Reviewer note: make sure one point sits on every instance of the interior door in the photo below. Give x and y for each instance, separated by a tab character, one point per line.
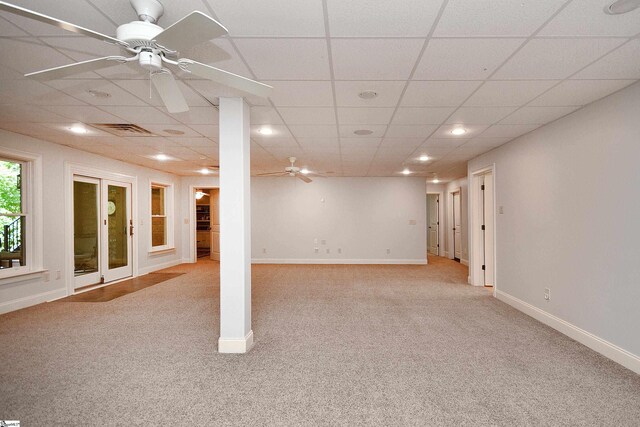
86	231
215	225
117	230
433	221
457	227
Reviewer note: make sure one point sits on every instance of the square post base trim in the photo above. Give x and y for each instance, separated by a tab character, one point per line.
235	345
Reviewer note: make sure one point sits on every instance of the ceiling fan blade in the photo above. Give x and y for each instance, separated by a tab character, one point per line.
191	30
304	178
169	91
272	174
226	78
77	68
17	10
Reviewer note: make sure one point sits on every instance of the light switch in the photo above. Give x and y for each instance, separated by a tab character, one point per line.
500	210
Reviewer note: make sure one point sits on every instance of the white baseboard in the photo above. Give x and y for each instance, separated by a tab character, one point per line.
337	261
156	267
607	349
464	262
25	302
235	345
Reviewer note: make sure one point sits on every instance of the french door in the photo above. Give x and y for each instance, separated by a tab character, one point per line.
103	230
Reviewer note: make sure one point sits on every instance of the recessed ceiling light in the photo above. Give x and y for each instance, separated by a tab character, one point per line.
304	171
162	157
173	131
458	131
80	130
368	94
423	158
435	181
265	131
363	132
621	6
406	172
205	171
98	93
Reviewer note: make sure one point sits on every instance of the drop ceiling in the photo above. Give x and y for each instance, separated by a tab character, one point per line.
498	68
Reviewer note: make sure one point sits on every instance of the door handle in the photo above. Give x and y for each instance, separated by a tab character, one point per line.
131	230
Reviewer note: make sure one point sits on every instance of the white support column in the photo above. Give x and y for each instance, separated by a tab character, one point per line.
236	335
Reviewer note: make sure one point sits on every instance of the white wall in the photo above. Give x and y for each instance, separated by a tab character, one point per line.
24	293
571	207
362	216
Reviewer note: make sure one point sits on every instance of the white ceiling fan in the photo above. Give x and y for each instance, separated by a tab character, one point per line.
154	48
622	6
293	171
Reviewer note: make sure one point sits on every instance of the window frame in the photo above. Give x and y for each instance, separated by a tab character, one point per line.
31	192
168	216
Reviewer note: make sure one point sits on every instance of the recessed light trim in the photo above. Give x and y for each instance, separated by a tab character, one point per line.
424	158
368	94
304	171
162	157
265	131
406	172
436	181
205	171
98	94
458	131
362	132
79	130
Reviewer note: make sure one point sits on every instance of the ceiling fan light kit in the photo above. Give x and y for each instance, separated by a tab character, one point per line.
154	48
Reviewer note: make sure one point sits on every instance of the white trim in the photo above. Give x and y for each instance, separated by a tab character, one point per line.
156	267
451	236
441	221
30	300
236	345
337	261
607	349
475	247
169	215
193	251
22	276
163	251
464	262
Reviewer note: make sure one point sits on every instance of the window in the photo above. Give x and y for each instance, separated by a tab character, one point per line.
20	226
161	214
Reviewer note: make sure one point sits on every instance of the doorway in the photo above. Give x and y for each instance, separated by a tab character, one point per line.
483	236
207	223
102	231
457	226
433	224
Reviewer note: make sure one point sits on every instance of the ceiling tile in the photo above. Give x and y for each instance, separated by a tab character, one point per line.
33	55
32	92
265	116
422	116
210	131
282	59
140	115
355	116
301	94
473	18
622	63
85	114
480	115
170	131
314	131
308	115
141	89
364	18
579	92
197	116
464	59
490	143
438	94
80	89
406	131
503	131
586	18
31	113
374	59
388	93
536	115
278	131
219	53
212	91
293	18
77	12
319	144
7	29
554	58
193	143
508	93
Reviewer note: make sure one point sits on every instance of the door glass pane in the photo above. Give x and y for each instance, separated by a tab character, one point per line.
12	217
85	227
118	227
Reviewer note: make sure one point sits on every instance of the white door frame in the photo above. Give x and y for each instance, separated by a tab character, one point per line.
475	222
192	219
441	218
71	169
450	224
90	278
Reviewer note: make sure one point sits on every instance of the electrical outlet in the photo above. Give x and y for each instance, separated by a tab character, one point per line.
547	294
186	220
388	251
339	250
328	250
317	250
264	250
58	275
501	210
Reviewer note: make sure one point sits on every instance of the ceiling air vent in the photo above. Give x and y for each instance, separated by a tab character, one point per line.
122	129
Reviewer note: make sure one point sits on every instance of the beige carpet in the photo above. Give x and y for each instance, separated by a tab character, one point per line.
335	345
